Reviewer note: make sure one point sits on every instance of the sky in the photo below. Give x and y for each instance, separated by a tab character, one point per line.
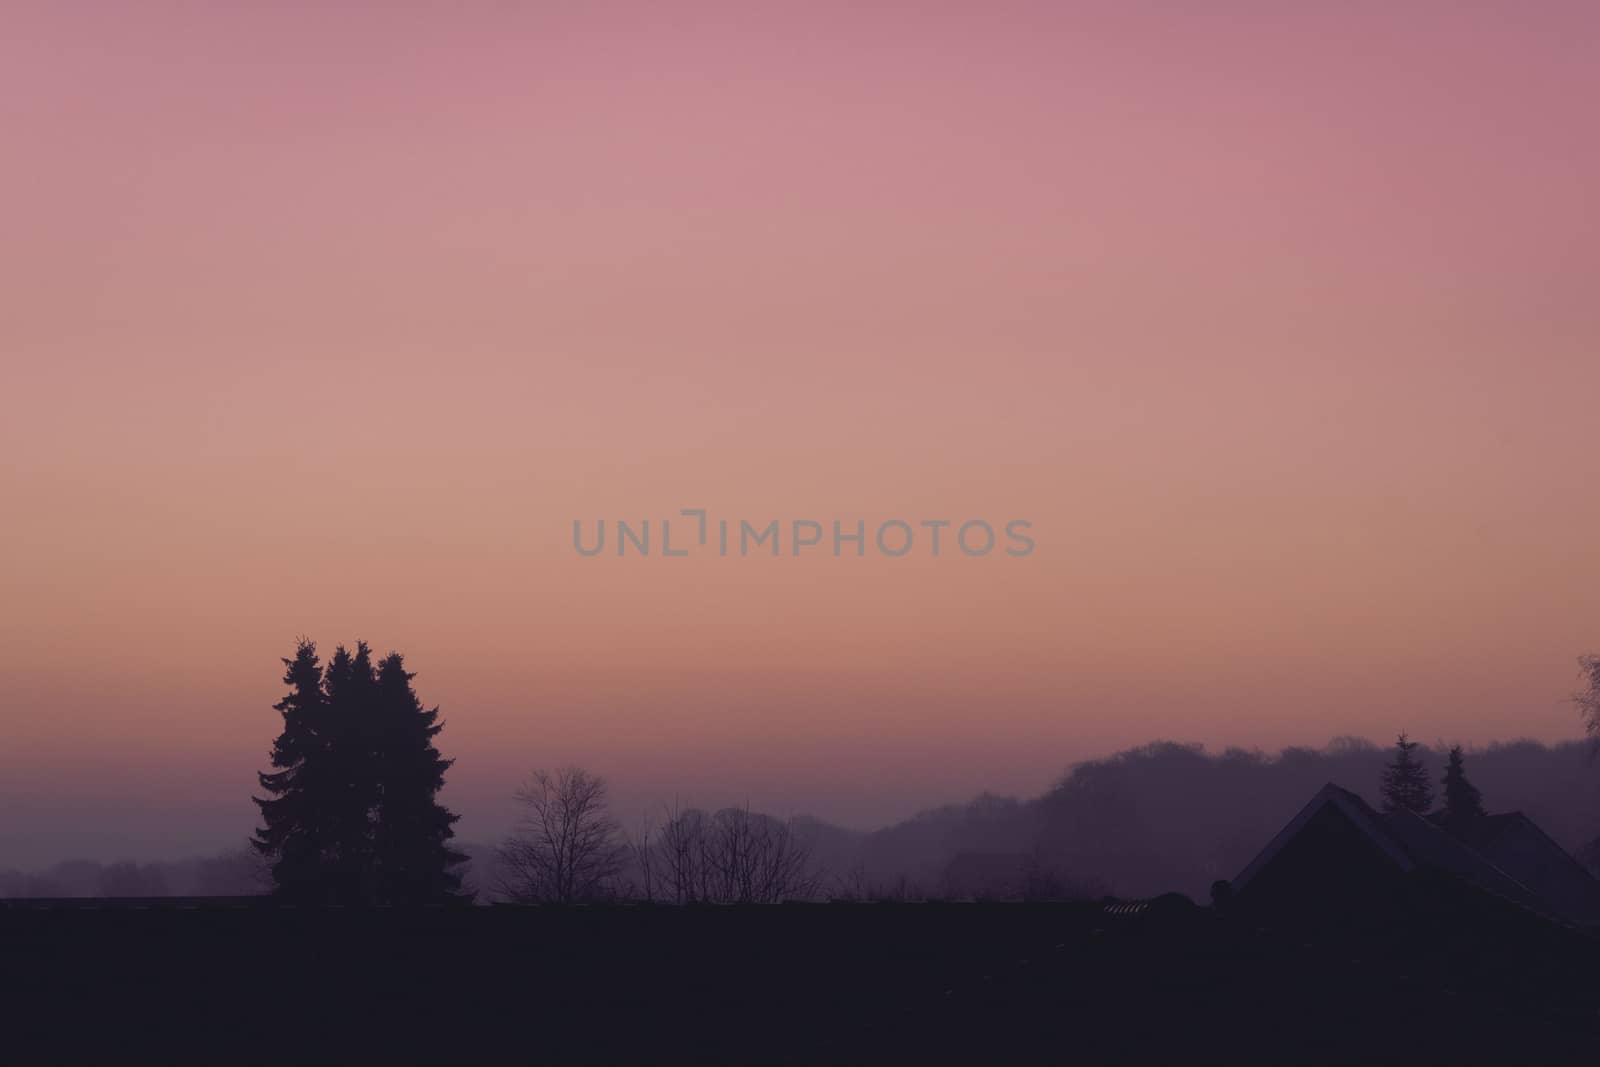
1278	323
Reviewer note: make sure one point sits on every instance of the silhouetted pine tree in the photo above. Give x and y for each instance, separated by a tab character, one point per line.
351	689
1405	781
1462	801
413	859
297	836
352	815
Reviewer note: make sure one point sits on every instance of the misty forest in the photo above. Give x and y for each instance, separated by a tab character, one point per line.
350	814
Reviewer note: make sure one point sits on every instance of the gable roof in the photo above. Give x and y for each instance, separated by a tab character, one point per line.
1516	845
1430	846
1407	841
1352	808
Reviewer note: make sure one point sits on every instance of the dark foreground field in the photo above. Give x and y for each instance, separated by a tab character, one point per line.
884	983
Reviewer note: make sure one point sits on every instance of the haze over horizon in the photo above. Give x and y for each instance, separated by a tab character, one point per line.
1279	328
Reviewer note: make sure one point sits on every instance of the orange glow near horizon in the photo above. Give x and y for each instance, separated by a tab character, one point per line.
1282	330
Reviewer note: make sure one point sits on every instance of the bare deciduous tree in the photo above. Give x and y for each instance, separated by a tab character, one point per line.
681	847
567	847
754	859
732	857
643	850
852	887
1588	701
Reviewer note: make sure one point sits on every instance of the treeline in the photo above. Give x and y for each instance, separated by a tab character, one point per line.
1158	818
233	874
351	814
570	848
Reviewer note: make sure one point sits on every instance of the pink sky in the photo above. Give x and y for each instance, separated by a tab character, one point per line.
1281	326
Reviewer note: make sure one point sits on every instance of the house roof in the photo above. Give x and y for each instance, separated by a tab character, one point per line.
1432	847
1410	842
1515	844
1356	810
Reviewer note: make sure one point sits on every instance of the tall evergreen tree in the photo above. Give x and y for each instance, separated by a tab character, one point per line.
297	837
352	815
1462	801
1405	781
415	863
350	689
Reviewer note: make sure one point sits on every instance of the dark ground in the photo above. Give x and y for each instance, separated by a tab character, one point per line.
877	983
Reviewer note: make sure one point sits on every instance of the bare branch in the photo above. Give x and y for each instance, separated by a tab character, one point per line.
567	847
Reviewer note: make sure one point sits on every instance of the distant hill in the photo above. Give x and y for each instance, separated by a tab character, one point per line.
1169	816
1158	818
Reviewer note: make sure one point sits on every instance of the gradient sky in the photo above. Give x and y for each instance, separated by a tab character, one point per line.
1280	325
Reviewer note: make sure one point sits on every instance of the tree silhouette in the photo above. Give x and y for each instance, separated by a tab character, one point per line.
413	860
1588	700
352	815
1405	780
297	835
735	856
1462	801
351	690
755	859
568	847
